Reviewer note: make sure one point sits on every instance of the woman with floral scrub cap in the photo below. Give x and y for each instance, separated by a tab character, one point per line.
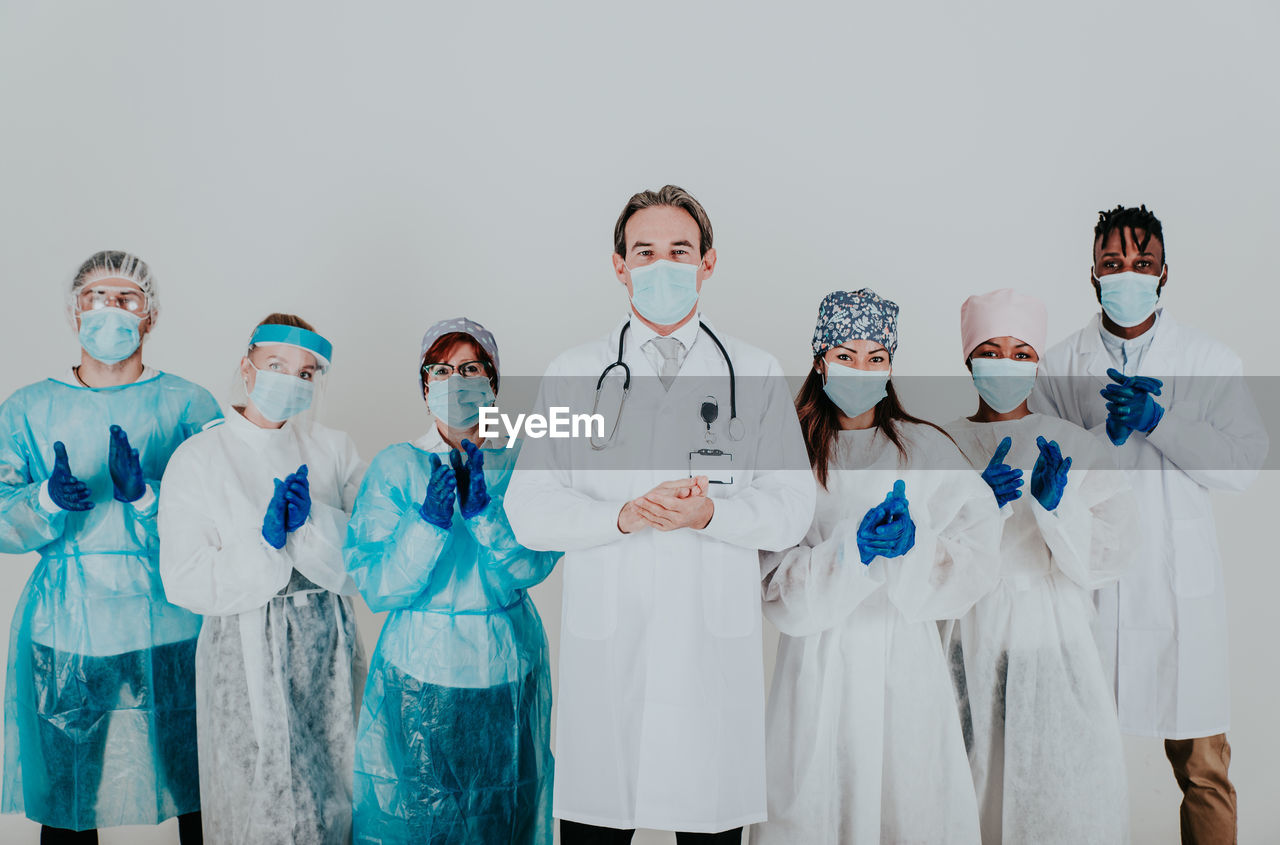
100	691
863	741
253	515
454	738
1044	741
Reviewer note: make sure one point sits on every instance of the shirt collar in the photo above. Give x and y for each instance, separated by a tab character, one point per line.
1115	343
686	334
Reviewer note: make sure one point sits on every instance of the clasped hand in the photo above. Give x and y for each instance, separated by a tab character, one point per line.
681	503
289	508
1130	406
887	529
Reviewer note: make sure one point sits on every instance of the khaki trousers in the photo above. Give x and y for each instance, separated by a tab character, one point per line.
1208	798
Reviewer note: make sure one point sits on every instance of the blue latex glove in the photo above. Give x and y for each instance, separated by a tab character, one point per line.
473	494
67	491
1130	406
274	530
126	469
297	495
1049	476
887	529
437	507
1003	479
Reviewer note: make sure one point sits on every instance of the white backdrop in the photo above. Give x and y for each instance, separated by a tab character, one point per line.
374	167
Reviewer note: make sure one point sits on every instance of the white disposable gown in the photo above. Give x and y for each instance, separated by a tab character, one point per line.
864	742
1162	629
660	719
1044	742
279	665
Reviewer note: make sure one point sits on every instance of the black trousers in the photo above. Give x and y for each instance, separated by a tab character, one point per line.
576	833
189	833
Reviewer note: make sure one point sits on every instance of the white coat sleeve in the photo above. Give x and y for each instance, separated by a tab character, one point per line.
316	547
545	511
1091	534
207	566
956	557
775	510
815	585
1213	431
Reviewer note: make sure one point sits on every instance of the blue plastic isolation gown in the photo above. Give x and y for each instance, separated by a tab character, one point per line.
453	744
100	693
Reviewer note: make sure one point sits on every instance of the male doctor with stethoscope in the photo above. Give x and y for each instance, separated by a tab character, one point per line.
661	517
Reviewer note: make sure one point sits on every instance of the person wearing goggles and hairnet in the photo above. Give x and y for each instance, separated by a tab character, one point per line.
253	516
454	737
864	744
1044	740
100	692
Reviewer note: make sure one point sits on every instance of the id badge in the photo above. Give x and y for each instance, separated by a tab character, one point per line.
715	464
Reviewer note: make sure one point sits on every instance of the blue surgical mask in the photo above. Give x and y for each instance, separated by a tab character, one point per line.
109	335
855	391
1003	383
457	402
665	291
1128	298
279	396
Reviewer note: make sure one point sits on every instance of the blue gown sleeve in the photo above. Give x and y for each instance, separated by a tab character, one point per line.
513	565
391	551
25	524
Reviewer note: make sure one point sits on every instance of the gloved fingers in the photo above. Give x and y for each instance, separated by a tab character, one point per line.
1119	394
1005	476
299	483
1147	384
1001	451
872	518
455	460
302	471
296	499
1117	376
1065	467
900	488
434	460
60	459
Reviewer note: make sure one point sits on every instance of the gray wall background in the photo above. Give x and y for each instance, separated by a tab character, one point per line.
375	167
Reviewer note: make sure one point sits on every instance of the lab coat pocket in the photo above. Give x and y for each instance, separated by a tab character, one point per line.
1195	557
730	589
591	593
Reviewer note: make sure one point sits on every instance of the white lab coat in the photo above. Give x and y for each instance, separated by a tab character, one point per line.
661	696
1162	630
864	740
279	664
1044	742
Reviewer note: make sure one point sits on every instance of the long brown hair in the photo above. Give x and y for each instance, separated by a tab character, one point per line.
820	421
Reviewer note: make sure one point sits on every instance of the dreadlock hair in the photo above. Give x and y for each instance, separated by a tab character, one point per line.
1125	221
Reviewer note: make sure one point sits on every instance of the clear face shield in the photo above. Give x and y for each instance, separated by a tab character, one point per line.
283	374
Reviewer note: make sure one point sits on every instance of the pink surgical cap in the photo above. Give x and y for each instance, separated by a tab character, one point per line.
1003	313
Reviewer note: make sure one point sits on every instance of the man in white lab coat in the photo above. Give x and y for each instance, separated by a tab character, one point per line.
1173	404
661	517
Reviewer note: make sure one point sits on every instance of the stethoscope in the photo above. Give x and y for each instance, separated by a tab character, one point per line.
709	410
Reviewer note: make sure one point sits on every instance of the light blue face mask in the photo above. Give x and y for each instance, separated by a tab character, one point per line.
279	396
1003	383
855	391
665	291
109	335
1128	298
457	402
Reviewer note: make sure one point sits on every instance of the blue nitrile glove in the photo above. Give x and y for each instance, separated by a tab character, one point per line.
1003	479
1130	406
274	530
437	507
297	494
887	529
473	494
67	491
1049	476
126	469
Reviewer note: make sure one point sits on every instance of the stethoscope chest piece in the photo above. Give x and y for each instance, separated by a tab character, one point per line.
736	429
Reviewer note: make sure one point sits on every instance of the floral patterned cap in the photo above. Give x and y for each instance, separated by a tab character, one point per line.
478	333
855	315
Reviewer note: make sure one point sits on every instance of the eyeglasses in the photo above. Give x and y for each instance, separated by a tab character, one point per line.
467	369
127	299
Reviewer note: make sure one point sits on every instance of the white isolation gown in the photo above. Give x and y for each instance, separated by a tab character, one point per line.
863	740
279	665
1044	740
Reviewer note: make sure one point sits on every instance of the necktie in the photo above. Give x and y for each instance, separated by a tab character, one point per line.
669	348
